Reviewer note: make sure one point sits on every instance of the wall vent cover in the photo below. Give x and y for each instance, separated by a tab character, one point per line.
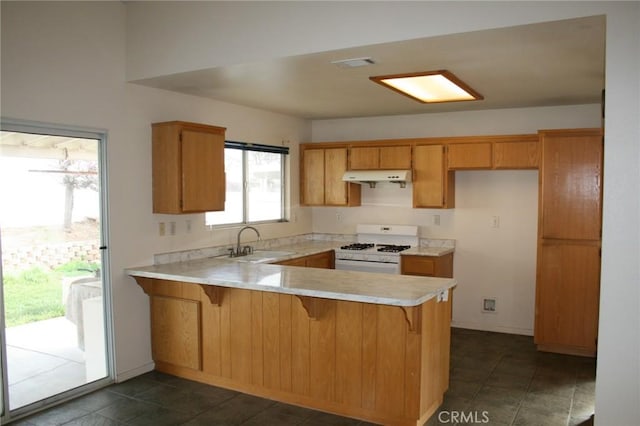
354	62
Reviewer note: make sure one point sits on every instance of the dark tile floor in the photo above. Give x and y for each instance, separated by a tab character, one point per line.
496	379
503	379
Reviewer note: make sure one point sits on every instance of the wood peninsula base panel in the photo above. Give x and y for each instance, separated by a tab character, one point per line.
384	364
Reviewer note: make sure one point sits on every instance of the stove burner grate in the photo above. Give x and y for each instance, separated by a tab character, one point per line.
357	246
392	248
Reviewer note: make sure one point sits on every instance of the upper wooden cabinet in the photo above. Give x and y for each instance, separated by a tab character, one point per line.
188	167
516	155
571	184
433	162
312	177
321	181
469	156
433	186
380	157
493	152
364	158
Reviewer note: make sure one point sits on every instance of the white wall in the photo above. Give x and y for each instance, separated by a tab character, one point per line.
618	374
64	63
489	262
469	123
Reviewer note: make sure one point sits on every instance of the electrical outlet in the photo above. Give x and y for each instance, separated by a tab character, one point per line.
436	219
188	225
338	217
489	306
161	229
172	228
495	221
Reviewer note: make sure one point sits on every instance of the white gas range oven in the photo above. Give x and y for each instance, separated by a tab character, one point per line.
377	248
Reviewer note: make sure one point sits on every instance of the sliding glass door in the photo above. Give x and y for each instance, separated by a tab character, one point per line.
53	250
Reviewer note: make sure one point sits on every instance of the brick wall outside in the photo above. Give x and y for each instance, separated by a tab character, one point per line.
49	255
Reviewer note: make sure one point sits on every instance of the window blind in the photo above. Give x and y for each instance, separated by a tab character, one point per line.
248	146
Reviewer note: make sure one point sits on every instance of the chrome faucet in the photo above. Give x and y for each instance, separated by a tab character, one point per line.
247	249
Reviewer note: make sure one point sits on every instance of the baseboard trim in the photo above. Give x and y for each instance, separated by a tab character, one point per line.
496	329
567	350
130	374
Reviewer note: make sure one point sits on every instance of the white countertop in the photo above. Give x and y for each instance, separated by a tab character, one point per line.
428	251
384	289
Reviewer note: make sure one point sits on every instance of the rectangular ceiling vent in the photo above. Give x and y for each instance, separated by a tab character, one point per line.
354	62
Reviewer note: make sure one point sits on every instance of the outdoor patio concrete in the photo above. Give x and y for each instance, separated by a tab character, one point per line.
43	359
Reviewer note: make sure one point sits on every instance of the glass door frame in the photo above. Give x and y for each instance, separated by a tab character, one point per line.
15	125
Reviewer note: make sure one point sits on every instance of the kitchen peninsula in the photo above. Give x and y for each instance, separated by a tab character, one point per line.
364	345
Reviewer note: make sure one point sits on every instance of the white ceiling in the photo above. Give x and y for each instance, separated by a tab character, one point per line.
552	63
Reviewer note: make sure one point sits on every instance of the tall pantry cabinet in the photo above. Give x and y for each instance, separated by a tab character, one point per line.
569	236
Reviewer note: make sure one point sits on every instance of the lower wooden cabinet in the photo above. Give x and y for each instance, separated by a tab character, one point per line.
325	260
175	334
567	297
427	266
384	364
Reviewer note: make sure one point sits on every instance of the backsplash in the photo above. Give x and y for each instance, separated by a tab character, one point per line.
202	253
437	242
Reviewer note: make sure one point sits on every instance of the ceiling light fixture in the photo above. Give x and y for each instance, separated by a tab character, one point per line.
429	86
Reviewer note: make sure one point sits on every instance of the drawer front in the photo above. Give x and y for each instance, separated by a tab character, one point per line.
418	265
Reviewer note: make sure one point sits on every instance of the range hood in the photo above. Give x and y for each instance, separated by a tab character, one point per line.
371	177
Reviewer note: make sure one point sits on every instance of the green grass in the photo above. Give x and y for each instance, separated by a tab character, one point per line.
77	267
36	294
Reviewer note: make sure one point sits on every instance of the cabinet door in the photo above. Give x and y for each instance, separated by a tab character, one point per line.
567	295
516	155
175	331
571	185
203	178
469	156
364	158
395	157
188	167
312	176
335	166
429	177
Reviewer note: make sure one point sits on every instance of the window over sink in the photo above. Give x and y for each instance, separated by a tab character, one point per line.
255	184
